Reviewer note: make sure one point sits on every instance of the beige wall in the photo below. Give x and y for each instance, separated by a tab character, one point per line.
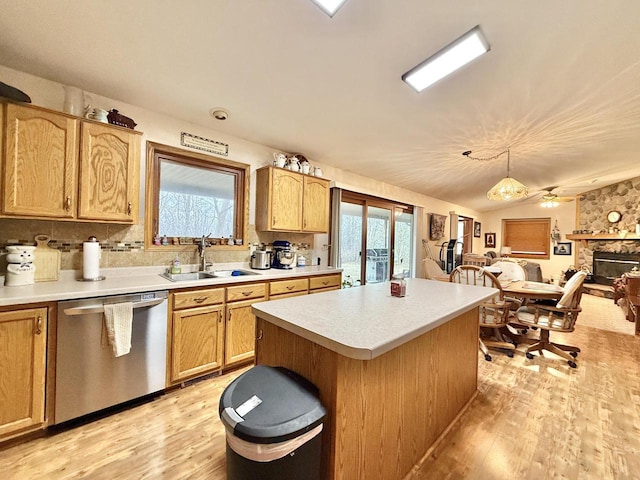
565	214
166	130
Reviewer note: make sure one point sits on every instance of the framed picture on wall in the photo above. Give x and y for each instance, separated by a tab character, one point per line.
562	248
489	240
476	229
436	230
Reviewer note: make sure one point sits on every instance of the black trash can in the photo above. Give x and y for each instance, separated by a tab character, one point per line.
274	422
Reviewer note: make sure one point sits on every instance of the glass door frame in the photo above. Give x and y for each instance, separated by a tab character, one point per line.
371	201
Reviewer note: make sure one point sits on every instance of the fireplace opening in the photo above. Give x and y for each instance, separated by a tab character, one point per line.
608	266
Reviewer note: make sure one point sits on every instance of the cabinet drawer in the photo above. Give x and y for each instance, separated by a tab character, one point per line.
246	292
287	295
325	282
289	286
198	298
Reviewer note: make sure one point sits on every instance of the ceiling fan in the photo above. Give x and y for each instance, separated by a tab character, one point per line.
550	199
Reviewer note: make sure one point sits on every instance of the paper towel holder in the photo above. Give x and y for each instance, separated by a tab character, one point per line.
95	279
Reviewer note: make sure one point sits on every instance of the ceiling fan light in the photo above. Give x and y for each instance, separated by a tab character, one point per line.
507	189
549	204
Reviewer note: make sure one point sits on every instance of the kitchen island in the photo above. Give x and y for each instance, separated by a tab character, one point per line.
393	373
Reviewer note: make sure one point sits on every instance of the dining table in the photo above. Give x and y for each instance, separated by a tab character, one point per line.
532	290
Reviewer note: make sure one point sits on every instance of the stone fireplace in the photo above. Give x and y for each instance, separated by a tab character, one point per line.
606	254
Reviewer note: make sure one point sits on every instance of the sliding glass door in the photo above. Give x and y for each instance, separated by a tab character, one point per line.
376	238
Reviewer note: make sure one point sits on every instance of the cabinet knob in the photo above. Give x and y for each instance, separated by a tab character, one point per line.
67	203
39	325
259	336
274	220
199	299
129	208
246	294
290	287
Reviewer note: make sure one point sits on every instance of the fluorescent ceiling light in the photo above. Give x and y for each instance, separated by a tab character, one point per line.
458	53
329	6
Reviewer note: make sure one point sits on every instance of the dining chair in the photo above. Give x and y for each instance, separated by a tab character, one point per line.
493	314
432	271
511	271
474	259
561	318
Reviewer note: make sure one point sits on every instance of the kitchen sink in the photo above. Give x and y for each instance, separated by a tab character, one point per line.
184	277
231	273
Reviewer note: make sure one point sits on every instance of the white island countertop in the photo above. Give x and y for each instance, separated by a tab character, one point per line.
365	322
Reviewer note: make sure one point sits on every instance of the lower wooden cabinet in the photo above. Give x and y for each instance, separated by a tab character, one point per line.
214	328
240	333
196	342
240	322
23	358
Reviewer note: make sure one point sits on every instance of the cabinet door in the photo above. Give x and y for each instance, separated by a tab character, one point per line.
23	348
109	164
286	200
196	344
40	163
316	205
240	332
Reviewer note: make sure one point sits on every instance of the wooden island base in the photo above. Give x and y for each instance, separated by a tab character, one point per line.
383	414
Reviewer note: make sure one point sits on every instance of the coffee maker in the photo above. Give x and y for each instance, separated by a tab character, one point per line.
283	256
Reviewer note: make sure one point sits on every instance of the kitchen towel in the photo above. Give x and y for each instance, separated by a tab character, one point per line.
91	254
118	320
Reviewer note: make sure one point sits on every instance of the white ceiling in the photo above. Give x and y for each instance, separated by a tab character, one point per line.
560	86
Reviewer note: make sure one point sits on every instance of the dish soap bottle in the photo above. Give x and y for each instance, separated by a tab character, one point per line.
175	266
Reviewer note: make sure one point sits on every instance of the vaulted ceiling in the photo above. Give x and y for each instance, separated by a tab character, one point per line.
560	86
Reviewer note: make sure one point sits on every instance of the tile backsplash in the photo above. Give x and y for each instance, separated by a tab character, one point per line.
122	245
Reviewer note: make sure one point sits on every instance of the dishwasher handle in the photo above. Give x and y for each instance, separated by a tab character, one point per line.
100	308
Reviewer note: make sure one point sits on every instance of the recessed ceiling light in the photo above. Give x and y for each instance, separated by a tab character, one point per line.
219	113
330	7
458	53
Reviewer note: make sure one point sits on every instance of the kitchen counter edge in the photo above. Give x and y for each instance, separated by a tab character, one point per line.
119	281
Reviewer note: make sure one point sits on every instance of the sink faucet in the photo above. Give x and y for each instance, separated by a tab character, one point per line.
202	245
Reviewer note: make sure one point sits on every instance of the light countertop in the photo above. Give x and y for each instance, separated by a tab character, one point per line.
137	279
365	322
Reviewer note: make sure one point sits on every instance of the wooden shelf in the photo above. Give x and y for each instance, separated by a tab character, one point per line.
603	236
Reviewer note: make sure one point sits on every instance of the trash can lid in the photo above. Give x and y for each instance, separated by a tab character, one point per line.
270	404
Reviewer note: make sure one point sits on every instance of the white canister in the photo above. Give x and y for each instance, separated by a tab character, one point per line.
91	254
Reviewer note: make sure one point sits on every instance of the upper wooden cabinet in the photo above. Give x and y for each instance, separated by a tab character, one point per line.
109	173
315	210
291	202
40	163
23	350
57	166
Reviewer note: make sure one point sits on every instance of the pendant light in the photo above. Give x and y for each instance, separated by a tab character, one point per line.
506	189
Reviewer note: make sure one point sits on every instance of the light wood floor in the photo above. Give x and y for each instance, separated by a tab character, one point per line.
532	419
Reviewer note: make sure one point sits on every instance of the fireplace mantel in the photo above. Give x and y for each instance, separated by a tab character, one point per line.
599	237
602	236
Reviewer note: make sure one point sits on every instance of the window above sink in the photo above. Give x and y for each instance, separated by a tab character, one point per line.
190	194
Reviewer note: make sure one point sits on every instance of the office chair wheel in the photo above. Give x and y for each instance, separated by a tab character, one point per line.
510	354
487	357
573	354
529	356
572	364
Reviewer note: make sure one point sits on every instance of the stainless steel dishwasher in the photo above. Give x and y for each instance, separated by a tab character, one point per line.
88	377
